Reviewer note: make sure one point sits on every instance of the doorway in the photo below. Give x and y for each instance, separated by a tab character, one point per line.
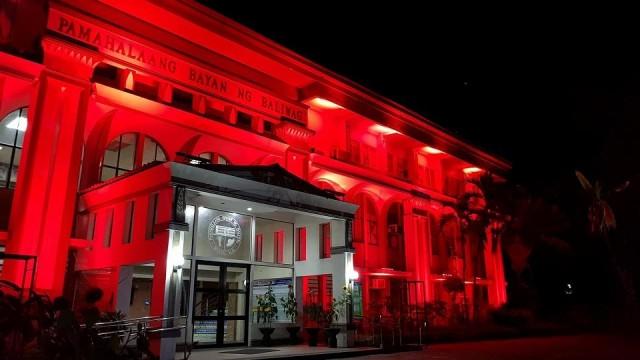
220	304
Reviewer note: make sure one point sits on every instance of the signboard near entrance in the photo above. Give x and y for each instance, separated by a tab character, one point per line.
280	288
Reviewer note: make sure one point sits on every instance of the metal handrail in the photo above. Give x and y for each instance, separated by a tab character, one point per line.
138	328
135	321
117	322
180	327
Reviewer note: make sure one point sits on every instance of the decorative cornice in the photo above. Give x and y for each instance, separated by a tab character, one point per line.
294	134
57	54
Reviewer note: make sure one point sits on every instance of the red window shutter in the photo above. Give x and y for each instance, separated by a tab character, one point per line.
258	247
301	251
278	236
325	240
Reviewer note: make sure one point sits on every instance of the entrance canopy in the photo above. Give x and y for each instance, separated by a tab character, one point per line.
179	236
264	184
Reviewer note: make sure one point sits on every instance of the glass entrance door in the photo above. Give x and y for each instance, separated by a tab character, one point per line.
221	304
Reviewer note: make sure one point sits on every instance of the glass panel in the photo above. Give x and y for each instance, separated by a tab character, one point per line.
107	173
204	331
279	279
16	162
206	303
236	278
184	290
151	152
111	153
270	230
8	128
160	156
141	289
22	127
127	151
222	160
207	295
206	155
5	159
208	277
188	236
234	331
235	304
222	234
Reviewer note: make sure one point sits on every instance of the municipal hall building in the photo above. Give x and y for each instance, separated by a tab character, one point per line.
184	164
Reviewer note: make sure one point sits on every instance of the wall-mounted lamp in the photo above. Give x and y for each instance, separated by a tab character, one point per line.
352	275
471	170
177	260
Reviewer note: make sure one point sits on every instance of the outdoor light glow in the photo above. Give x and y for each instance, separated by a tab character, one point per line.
471	170
19	123
433	151
177	260
189	211
380	129
352	275
324	104
249	209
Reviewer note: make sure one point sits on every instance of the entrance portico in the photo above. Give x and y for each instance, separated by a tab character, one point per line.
216	236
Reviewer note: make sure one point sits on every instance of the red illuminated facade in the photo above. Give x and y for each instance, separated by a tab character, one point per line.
105	116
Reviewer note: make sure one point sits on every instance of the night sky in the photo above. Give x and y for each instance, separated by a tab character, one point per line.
543	92
551	90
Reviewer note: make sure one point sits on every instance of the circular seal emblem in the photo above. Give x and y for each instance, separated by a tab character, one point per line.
224	234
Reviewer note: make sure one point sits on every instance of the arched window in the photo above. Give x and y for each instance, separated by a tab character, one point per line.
127	152
215	158
12	130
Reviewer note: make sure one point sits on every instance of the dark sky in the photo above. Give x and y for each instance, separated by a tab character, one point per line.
552	90
542	91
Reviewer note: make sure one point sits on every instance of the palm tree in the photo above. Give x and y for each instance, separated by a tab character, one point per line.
474	222
602	221
516	220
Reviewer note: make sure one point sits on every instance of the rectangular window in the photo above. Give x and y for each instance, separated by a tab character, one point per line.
128	223
301	245
325	240
151	215
278	247
182	99
243	120
91	226
259	242
268	127
108	223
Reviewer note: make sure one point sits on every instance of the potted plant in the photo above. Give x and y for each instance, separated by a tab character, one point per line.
314	315
336	308
290	307
267	311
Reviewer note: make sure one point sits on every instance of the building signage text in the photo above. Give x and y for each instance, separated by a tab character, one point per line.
182	71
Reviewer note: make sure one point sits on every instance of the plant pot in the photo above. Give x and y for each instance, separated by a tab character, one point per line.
266	336
332	340
293	334
313	335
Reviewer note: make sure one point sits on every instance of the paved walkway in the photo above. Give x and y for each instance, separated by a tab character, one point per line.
581	347
278	352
